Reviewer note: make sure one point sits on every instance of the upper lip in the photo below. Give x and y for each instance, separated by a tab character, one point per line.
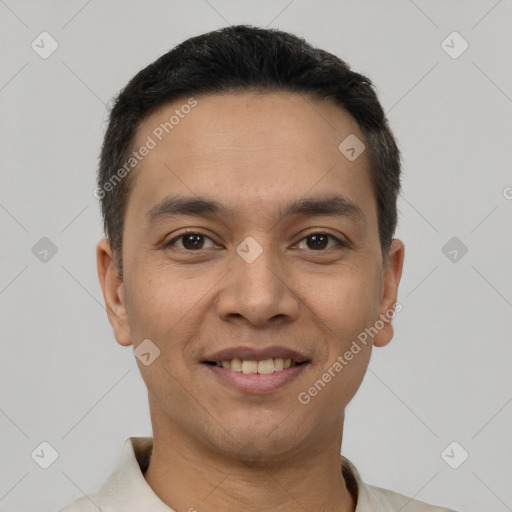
256	354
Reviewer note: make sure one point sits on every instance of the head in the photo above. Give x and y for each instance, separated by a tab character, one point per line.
236	138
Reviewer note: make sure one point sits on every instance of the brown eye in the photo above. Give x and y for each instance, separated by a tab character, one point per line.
190	241
320	241
193	241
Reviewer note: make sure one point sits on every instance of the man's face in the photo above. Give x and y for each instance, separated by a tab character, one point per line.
251	279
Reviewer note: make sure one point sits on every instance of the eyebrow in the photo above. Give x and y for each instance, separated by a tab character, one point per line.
333	205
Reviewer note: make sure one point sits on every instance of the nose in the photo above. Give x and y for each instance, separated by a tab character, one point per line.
260	291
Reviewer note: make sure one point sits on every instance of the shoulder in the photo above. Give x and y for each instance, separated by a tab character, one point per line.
83	504
392	501
373	498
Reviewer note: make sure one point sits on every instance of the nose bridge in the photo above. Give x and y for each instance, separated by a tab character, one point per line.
257	287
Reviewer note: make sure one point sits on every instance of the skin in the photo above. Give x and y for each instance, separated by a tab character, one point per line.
215	447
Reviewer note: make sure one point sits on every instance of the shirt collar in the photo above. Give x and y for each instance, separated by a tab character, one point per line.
126	488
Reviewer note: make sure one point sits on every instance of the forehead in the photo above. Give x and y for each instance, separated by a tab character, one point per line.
249	150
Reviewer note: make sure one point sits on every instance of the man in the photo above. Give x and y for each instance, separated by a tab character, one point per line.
248	185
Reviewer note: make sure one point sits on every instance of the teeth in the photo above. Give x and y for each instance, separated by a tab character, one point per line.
249	367
236	365
266	366
262	367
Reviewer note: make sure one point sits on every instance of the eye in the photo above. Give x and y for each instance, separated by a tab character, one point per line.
319	241
191	241
195	241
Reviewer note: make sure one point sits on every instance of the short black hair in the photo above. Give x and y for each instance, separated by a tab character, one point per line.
245	58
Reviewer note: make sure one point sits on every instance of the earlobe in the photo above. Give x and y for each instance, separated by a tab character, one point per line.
113	292
391	275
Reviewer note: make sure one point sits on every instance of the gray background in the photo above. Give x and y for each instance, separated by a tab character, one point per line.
446	375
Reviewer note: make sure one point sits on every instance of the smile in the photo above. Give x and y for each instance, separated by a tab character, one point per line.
256	370
263	367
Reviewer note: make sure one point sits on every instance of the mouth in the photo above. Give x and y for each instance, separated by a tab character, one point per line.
256	371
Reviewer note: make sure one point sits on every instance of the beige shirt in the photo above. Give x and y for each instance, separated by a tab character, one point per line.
126	489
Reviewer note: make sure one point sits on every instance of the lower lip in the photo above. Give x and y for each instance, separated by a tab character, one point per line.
255	382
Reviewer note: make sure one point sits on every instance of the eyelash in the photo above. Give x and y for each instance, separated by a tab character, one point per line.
340	243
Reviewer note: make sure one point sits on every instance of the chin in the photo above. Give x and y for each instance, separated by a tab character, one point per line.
258	444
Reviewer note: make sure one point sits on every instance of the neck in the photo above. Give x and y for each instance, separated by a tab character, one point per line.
188	475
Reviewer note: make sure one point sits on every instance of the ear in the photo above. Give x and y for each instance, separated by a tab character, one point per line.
113	292
391	274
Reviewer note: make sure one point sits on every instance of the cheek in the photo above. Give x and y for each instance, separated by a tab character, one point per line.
344	310
161	304
167	309
347	301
